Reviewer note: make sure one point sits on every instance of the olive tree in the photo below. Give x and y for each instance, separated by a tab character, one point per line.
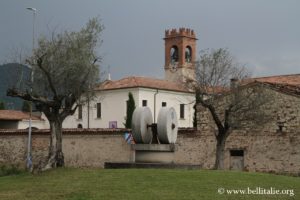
230	104
64	67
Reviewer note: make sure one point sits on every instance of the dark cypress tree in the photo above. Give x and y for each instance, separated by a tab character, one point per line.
129	110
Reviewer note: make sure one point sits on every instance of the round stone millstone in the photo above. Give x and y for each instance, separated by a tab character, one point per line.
141	132
167	125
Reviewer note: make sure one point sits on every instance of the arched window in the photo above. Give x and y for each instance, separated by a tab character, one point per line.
188	54
79	126
174	54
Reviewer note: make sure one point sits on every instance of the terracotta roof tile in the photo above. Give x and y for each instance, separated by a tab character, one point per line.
16	115
285	88
292	79
284	83
134	81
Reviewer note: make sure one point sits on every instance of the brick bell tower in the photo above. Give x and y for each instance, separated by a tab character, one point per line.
180	54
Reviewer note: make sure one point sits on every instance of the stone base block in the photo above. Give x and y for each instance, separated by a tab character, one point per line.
154	153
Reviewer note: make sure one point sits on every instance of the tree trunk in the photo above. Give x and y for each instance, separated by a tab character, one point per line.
56	156
219	163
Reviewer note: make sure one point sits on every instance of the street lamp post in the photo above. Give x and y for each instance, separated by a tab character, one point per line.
29	156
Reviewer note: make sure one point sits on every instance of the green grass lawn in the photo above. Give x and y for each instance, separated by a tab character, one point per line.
141	184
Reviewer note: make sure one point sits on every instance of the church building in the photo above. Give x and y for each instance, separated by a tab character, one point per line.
108	108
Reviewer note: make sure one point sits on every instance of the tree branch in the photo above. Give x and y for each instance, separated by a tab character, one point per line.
39	64
213	112
28	97
69	102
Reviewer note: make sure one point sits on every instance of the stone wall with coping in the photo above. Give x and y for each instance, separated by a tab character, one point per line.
271	147
81	147
87	147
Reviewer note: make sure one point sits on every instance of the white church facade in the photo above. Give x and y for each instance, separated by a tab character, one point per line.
108	107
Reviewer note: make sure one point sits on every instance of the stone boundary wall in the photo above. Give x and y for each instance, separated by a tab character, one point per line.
87	147
278	152
266	152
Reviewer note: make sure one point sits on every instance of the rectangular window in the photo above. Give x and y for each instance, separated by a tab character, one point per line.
144	103
163	104
181	111
98	110
236	152
79	111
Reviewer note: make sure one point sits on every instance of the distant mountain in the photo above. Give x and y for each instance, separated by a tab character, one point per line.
13	75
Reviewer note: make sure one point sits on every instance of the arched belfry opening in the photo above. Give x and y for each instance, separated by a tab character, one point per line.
174	54
180	48
188	54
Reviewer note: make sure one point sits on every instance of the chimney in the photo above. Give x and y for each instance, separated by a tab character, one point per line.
234	83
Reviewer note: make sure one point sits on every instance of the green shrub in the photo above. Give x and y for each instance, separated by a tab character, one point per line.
7	170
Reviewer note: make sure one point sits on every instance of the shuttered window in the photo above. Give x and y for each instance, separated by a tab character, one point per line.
144	103
79	111
181	111
98	110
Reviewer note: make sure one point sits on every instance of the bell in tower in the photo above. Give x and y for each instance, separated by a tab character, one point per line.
180	54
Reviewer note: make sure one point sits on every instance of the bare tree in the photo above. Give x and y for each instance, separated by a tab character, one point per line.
230	104
64	67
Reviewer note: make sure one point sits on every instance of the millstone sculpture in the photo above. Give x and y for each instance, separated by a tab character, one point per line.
154	142
144	131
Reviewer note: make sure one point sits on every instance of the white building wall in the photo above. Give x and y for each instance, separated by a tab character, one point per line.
173	99
24	124
40	124
113	107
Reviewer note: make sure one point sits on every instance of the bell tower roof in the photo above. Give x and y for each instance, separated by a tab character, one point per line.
181	32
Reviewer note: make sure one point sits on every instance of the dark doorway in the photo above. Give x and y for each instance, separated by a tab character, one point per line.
237	160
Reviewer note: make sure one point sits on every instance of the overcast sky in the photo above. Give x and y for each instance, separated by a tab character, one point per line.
263	34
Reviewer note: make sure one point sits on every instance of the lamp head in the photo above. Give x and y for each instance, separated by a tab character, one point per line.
32	9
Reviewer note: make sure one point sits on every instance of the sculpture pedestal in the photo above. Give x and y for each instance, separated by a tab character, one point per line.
154	156
154	153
